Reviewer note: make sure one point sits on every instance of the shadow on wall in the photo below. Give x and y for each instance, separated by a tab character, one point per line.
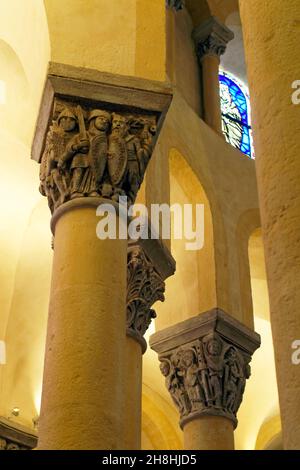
159	430
15	102
270	435
24	57
194	278
259	420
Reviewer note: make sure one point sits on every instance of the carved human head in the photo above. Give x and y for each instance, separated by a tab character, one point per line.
119	122
214	346
231	353
188	358
101	119
164	368
67	120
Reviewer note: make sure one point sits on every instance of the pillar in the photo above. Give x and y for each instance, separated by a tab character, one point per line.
211	38
271	39
148	265
205	362
94	138
80	400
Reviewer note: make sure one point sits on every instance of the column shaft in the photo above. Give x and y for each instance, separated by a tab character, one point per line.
209	433
85	341
132	402
271	42
211	92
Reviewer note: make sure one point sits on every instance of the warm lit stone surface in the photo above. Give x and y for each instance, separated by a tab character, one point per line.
271	40
209	433
81	406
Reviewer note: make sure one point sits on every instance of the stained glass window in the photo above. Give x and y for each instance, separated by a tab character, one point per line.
235	109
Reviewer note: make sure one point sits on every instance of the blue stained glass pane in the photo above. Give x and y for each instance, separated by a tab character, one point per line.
235	115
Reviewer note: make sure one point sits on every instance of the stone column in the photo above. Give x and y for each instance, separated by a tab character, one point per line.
271	42
205	362
148	265
94	138
211	38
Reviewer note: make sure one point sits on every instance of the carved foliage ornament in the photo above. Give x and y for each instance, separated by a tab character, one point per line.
144	288
206	377
211	38
176	4
94	152
211	46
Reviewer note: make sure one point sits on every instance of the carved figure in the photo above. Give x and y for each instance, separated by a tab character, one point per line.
99	122
54	178
233	375
139	150
175	387
82	179
213	350
191	380
117	153
129	153
203	371
108	159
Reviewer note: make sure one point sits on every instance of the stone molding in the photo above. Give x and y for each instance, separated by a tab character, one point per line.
16	437
206	361
211	38
94	202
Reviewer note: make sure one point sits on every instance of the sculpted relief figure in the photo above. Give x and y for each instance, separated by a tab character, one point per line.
207	376
99	124
232	376
77	156
237	371
117	152
203	374
54	179
175	387
139	153
213	351
129	153
95	153
192	380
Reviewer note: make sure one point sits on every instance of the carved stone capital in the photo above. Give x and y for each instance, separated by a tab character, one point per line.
176	4
205	361
211	38
16	437
96	133
145	286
